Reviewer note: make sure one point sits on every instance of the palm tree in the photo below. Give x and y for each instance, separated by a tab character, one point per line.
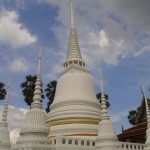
28	87
98	95
50	93
2	91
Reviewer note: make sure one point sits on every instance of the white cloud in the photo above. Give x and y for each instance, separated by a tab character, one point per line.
12	32
118	116
20	65
103	48
100	39
106	33
16	117
135	12
142	50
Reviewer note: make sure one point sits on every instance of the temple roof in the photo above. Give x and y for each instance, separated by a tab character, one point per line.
141	123
134	131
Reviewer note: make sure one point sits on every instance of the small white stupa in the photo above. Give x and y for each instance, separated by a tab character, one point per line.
107	139
33	135
75	110
147	143
4	132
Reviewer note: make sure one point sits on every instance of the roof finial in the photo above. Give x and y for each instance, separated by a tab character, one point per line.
5	110
104	112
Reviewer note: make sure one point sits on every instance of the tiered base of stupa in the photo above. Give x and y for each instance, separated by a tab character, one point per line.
74	130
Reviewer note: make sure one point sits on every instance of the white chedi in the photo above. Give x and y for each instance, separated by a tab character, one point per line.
107	139
34	133
75	105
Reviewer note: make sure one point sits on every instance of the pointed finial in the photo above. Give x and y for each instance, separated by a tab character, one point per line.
147	107
5	110
101	81
72	24
39	60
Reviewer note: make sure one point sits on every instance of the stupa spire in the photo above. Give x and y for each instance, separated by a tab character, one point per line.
5	110
72	24
34	133
147	143
39	61
73	54
37	93
104	112
101	81
107	139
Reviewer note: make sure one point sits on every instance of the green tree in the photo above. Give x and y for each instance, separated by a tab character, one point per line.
2	91
28	87
98	95
50	93
132	116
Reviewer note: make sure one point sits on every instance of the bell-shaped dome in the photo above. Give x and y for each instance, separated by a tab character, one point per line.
75	105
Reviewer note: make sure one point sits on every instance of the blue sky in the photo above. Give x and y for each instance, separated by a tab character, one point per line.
112	34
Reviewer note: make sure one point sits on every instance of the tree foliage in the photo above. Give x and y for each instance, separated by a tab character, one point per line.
50	93
28	87
132	116
2	91
98	95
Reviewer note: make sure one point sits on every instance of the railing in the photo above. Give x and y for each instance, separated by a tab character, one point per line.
132	146
68	142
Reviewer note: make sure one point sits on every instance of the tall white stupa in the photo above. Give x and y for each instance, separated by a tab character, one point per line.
4	132
75	110
107	139
34	134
